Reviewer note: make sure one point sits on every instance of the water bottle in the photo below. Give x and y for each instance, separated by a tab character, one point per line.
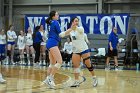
137	66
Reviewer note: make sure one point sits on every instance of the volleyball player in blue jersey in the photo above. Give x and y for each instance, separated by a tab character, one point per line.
52	45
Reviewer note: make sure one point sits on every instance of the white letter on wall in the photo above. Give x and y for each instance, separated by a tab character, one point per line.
121	23
102	22
91	23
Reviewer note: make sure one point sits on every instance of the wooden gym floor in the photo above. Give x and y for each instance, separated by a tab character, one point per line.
26	79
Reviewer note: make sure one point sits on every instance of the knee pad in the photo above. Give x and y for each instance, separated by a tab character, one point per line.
58	65
90	68
86	59
9	53
76	70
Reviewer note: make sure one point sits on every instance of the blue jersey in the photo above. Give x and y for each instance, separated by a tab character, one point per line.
54	30
53	34
37	38
113	38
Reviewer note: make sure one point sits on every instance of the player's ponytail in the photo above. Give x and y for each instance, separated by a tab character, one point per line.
48	20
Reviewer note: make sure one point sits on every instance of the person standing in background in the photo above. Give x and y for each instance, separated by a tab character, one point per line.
29	46
37	39
113	45
43	46
21	46
11	37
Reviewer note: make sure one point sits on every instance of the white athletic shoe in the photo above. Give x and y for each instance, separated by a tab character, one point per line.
117	68
95	82
50	82
44	63
40	63
75	84
2	80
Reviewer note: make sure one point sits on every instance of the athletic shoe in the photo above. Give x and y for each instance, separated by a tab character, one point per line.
116	68
40	63
50	82
75	84
95	82
2	80
44	63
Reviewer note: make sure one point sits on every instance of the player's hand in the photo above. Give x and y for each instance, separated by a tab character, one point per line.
111	48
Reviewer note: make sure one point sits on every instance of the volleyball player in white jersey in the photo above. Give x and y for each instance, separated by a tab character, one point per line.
43	46
29	46
2	51
80	49
21	46
11	37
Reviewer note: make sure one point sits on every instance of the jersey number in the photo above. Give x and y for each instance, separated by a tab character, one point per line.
74	38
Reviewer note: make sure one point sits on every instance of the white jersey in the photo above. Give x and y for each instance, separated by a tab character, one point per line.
78	40
21	42
29	40
2	39
11	35
44	35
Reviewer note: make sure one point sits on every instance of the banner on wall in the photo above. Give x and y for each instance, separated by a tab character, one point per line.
92	23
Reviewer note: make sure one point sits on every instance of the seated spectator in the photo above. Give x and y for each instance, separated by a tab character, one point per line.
67	51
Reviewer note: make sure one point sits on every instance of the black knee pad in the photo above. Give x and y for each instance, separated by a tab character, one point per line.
9	53
90	68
